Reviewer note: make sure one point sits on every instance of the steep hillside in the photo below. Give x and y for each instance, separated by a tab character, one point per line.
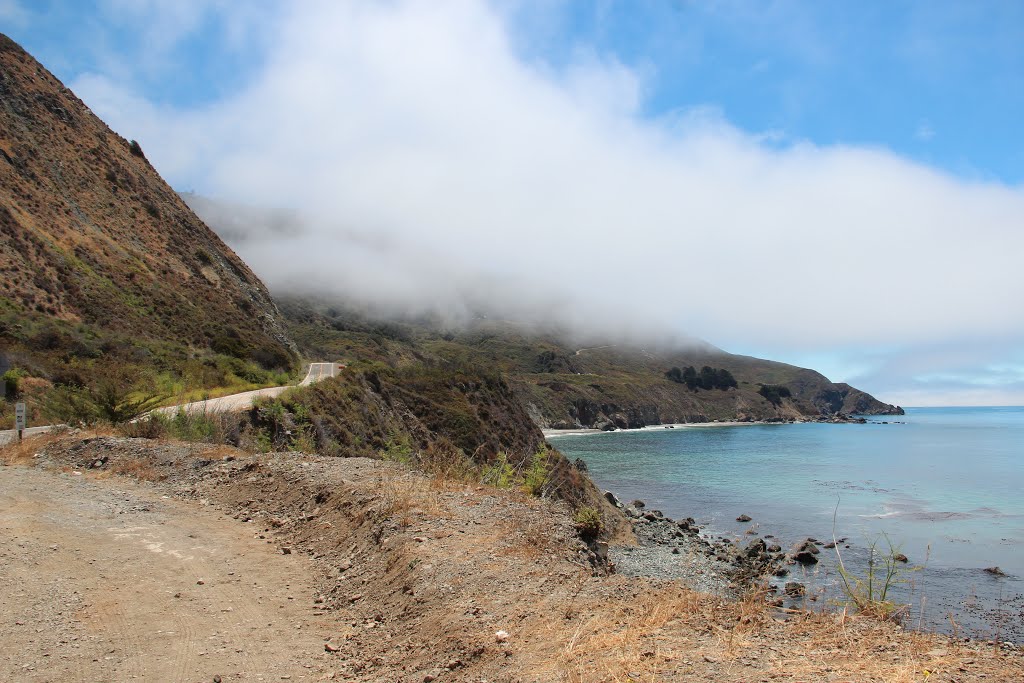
590	384
100	259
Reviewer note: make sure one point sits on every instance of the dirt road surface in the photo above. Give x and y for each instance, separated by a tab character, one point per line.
222	404
108	580
407	578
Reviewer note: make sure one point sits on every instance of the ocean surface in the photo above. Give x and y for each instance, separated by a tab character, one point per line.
944	485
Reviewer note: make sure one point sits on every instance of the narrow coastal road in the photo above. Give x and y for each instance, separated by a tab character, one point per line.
319	371
222	404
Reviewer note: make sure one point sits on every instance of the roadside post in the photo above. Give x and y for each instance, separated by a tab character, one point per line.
19	418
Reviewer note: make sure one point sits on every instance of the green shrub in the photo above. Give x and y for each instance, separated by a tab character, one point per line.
498	473
397	450
869	594
538	474
588	523
113	398
11	380
774	393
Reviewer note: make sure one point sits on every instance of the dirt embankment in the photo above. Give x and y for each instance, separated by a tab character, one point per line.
316	568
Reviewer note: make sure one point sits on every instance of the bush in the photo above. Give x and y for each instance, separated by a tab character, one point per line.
498	473
115	399
708	378
588	523
538	474
774	393
12	380
869	594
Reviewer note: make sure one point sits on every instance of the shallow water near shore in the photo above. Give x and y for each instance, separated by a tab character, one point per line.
945	485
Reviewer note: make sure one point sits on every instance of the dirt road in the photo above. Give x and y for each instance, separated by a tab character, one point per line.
412	578
108	580
222	404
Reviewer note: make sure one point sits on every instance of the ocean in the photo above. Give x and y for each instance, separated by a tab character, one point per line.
944	485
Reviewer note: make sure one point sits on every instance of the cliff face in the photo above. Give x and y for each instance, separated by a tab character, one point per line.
96	247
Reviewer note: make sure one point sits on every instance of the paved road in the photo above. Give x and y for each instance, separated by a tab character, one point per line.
319	371
223	404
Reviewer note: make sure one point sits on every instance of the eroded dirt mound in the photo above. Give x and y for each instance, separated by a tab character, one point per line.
415	579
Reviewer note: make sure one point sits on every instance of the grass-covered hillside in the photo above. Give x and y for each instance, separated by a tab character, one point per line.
589	384
103	269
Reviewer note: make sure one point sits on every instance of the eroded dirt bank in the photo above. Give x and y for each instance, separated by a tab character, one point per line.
318	568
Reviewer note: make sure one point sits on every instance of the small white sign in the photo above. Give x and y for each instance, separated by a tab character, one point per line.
19	416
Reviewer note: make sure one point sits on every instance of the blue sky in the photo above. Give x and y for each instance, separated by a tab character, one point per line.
785	135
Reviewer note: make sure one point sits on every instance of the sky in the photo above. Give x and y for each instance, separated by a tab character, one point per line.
836	185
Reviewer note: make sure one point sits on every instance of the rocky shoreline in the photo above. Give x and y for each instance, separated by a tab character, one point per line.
677	550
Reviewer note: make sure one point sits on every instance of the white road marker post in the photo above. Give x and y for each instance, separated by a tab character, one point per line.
19	418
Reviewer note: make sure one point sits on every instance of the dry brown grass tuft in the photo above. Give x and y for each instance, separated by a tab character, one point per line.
628	642
22	452
137	467
403	494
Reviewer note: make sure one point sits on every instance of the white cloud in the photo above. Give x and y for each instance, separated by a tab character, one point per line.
12	13
417	125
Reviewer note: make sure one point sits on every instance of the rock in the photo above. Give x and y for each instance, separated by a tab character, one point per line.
501	636
610	497
286	550
653	515
675	551
794	589
200	582
804	552
429	678
756	549
687	524
995	571
453	664
345	565
804	557
331	647
806	546
216	679
639	504
743	518
900	557
774	548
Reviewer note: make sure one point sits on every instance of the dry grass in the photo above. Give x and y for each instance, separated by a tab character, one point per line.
22	452
629	641
404	494
139	468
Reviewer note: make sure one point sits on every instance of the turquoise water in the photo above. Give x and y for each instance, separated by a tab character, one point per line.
944	484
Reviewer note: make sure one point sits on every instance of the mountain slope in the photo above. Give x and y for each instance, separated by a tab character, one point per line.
100	258
593	384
